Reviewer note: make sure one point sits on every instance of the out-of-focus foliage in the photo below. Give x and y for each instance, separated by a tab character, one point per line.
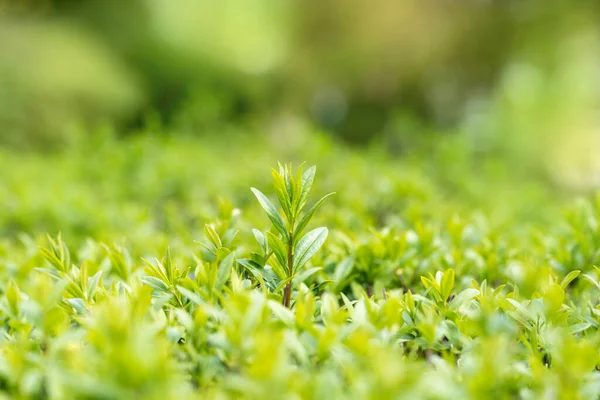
148	186
439	279
520	77
45	72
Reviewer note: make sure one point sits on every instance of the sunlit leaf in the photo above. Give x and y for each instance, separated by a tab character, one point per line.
308	246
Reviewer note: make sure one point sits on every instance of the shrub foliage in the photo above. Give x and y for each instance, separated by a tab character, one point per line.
309	302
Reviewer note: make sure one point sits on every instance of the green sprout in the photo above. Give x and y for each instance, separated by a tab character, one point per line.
291	248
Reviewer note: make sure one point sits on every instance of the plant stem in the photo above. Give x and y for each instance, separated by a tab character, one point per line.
287	292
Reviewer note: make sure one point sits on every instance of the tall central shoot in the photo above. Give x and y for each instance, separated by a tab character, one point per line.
291	248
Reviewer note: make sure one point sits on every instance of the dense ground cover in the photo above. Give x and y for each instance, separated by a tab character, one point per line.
442	276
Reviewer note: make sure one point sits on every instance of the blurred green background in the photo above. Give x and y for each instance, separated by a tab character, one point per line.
112	101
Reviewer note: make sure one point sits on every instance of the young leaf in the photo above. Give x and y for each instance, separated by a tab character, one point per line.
192	296
463	297
282	313
212	235
305	275
573	329
592	280
229	237
308	216
119	264
84	274
51	272
168	266
282	284
53	259
308	178
447	284
157	270
78	305
209	248
93	284
282	194
13	295
522	310
262	241
284	171
343	270
253	268
224	271
554	297
308	246
297	186
155	283
281	271
569	278
272	213
278	247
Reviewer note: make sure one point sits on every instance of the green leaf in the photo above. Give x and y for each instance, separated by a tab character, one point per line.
53	259
278	248
308	216
93	284
208	247
78	305
154	283
431	283
224	271
343	270
569	278
13	295
463	297
592	280
554	297
192	296
283	195
272	213
321	285
280	271
271	275
308	246
168	266
229	237
447	284
307	180
427	331
118	261
282	284
262	241
253	268
522	310
296	186
212	235
305	275
248	264
284	171
51	272
282	313
158	270
573	329
349	305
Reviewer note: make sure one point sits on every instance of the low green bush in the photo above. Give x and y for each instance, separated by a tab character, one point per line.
421	278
